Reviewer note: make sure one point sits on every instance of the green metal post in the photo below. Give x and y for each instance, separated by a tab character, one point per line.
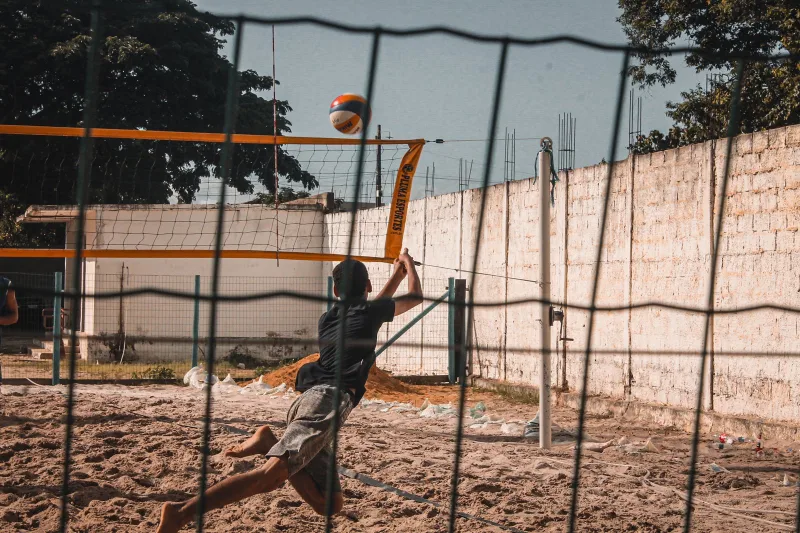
330	292
452	371
57	330
411	323
196	323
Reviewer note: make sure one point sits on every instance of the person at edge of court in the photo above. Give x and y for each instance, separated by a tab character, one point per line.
9	311
304	452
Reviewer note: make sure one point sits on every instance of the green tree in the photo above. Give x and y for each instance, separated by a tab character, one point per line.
770	89
161	69
285	194
13	234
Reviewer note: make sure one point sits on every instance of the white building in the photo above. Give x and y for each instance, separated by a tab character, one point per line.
107	324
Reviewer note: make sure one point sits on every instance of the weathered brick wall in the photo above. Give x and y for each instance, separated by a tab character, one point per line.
760	264
521	334
670	260
657	248
585	191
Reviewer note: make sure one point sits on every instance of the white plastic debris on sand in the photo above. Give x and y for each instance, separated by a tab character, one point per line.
385	407
279	389
226	386
718	469
649	447
486	420
198	378
444	410
597	446
259	388
190	373
256	387
626	446
511	428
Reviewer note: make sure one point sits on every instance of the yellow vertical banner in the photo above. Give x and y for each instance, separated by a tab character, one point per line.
400	199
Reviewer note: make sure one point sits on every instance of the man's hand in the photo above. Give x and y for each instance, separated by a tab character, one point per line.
400	266
406	260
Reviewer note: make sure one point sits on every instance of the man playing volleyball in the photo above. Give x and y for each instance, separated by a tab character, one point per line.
303	454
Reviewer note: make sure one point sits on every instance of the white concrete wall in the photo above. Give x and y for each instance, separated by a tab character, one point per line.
657	247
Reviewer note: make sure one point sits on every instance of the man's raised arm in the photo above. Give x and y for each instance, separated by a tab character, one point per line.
414	296
398	275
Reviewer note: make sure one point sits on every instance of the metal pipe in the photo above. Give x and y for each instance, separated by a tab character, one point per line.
452	372
413	321
57	330
196	322
544	293
378	190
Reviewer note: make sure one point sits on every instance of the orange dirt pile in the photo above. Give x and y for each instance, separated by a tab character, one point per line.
381	385
379	382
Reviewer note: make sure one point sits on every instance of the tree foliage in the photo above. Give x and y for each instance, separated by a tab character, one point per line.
161	68
285	194
13	234
770	89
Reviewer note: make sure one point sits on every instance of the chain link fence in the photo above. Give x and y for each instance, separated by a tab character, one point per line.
124	337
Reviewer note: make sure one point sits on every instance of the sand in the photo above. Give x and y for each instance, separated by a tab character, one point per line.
137	447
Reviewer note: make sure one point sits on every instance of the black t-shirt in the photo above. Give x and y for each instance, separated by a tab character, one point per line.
364	320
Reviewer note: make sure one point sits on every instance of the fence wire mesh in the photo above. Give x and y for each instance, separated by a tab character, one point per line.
228	304
151	337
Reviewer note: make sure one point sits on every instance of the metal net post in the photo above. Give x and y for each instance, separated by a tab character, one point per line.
57	299
545	162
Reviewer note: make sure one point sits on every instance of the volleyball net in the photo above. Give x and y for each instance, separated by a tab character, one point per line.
156	194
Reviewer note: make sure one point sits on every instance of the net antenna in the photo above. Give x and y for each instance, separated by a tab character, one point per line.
378	171
275	144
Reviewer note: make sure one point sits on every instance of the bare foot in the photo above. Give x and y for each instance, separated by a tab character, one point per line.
171	521
258	444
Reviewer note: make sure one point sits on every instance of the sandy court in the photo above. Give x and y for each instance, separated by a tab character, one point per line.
137	447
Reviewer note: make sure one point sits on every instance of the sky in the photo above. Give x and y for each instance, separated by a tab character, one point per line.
441	87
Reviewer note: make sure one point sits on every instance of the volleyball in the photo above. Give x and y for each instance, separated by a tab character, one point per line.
350	113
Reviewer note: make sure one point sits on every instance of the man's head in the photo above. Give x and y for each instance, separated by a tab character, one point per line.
359	284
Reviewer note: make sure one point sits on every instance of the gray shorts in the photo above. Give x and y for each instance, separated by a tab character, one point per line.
307	443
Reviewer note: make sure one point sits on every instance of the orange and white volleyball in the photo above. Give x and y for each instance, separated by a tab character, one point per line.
350	113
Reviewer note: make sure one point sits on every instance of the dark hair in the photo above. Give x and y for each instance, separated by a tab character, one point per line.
358	278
